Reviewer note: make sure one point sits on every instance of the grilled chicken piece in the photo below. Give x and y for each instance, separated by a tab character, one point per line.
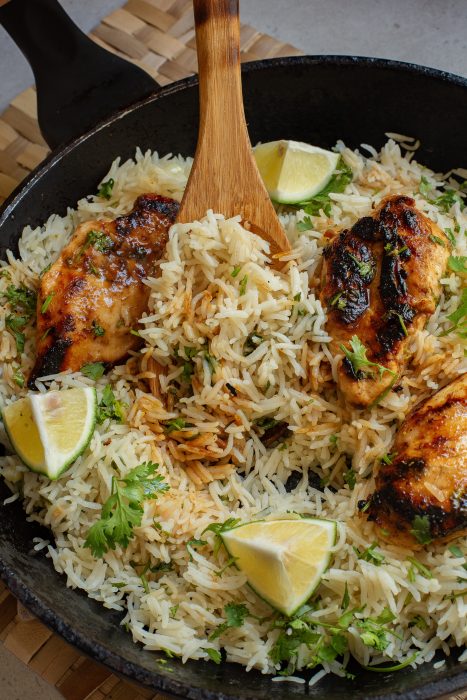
94	294
381	283
427	476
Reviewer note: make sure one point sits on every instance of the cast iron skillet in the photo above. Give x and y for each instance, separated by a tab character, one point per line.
314	99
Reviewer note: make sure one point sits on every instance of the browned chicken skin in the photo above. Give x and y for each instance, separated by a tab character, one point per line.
93	295
381	283
427	476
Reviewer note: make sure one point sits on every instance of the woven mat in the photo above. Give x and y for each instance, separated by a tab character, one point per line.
157	35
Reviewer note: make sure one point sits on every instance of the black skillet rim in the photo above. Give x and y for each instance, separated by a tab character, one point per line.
457	682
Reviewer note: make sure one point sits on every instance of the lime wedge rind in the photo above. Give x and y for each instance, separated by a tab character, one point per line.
294	171
33	430
272	567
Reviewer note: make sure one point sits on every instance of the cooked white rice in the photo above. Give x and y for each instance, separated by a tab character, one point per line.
196	302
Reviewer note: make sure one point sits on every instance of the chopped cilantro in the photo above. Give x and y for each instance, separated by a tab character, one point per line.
109	407
243	284
173	611
305	224
421	529
459	317
175	424
211	362
47	301
105	188
18	377
93	370
333	439
458	263
235	616
370	554
214	654
450	235
388	458
421	568
15	325
21	299
97	329
345	598
236	270
44	270
455	550
437	240
350	478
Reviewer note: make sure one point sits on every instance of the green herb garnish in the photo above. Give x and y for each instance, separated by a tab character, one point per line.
371	555
236	270
235	614
93	370
109	407
437	240
350	478
305	224
422	570
15	325
243	284
105	188
421	529
18	377
458	264
459	317
47	301
21	299
123	510
97	329
358	359
214	654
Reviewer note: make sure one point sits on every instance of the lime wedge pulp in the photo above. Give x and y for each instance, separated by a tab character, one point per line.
50	431
283	560
293	171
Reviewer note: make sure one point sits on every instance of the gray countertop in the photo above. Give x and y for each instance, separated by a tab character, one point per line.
431	32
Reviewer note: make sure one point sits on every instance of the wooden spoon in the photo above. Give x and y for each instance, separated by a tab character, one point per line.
224	176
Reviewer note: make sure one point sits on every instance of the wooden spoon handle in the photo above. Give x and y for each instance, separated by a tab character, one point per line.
218	41
224	176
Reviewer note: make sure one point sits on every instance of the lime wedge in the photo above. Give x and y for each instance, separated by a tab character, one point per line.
283	560
293	171
49	431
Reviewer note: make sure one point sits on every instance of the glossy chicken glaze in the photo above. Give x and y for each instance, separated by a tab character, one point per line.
381	281
91	298
427	475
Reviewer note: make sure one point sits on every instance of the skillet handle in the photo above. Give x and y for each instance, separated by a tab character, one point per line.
78	83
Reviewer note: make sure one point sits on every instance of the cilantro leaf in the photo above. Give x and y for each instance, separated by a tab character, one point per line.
356	356
370	554
458	263
15	324
105	188
47	302
350	478
109	407
214	654
123	509
305	224
21	299
235	616
421	529
93	370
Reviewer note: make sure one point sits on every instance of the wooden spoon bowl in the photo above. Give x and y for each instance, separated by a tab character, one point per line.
224	176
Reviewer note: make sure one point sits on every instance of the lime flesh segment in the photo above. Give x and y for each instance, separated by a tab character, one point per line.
49	431
293	171
283	560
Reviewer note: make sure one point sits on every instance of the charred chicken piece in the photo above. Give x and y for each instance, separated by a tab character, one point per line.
381	281
93	295
427	474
